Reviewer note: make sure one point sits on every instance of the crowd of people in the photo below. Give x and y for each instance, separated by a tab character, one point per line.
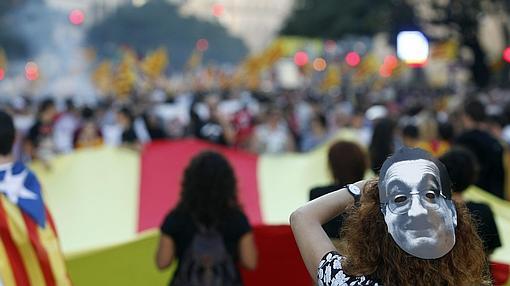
464	146
260	122
469	134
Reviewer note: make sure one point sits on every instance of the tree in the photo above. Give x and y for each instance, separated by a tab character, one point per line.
337	18
462	17
9	39
7	5
461	21
159	24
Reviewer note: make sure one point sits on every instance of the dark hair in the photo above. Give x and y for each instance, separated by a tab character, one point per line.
405	154
321	119
462	166
69	103
411	131
497	120
370	250
446	131
7	133
475	109
87	113
208	188
381	145
45	105
506	113
347	162
127	113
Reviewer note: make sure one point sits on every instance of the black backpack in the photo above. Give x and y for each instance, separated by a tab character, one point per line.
206	262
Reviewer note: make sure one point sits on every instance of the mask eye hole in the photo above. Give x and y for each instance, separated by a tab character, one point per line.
400	199
430	195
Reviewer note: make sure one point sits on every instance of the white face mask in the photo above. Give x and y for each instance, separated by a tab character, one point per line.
419	217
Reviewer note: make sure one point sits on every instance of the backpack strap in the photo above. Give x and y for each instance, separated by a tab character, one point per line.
202	228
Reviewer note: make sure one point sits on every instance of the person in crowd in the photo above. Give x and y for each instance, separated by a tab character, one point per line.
505	133
404	229
316	135
154	126
436	142
495	125
382	143
463	170
361	127
410	136
40	143
23	121
446	135
126	119
429	134
347	163
243	123
273	136
31	253
66	124
212	125
88	134
208	202
487	149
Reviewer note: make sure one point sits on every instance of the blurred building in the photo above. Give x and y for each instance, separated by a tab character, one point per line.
256	22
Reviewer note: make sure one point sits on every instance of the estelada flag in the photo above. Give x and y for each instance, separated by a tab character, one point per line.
29	247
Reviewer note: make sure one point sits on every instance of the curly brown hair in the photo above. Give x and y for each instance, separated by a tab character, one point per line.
209	188
375	253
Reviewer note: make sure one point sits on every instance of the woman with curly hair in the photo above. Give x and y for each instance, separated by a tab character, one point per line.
403	229
208	202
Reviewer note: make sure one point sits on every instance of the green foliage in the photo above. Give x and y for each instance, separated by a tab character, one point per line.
11	43
159	24
9	40
337	18
6	5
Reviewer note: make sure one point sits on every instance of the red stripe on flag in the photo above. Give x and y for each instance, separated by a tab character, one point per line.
162	168
279	261
15	260
49	218
42	255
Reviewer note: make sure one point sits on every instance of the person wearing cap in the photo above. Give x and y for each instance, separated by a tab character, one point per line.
402	229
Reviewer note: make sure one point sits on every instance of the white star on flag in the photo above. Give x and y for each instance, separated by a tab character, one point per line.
14	187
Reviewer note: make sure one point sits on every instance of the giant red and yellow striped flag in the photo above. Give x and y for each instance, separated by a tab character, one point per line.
122	196
29	249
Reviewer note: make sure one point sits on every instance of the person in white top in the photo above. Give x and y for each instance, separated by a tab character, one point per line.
273	136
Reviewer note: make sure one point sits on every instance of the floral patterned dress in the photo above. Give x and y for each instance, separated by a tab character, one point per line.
330	273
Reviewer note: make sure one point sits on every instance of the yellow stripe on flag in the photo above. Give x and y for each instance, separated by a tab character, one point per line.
501	211
130	263
20	236
98	186
6	275
52	247
285	181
